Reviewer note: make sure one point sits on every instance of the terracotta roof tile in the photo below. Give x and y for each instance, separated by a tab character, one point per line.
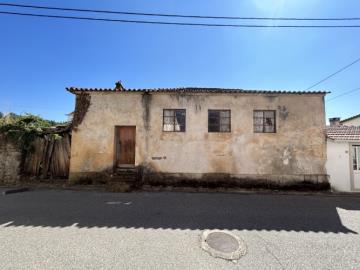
192	90
343	133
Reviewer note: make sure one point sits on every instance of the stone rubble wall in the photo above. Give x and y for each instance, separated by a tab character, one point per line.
10	158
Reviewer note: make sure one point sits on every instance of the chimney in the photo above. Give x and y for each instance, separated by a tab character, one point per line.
119	86
334	121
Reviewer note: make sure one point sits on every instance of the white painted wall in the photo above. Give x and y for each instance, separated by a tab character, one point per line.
352	122
338	165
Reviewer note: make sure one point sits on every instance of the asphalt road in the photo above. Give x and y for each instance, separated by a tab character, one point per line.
55	229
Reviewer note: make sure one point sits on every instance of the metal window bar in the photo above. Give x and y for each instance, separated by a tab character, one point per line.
219	120
261	121
174	120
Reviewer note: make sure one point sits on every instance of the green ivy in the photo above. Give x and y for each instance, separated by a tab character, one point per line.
23	129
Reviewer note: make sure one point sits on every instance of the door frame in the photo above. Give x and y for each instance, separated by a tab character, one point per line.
352	180
116	145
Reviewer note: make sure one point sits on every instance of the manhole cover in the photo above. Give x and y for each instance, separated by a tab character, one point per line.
222	241
223	244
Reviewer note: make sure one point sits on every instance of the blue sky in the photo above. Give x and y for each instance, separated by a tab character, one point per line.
40	57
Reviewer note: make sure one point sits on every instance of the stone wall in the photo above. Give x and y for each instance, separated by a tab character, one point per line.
10	158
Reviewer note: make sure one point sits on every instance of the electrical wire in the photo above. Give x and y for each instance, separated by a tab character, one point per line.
177	15
343	94
176	23
333	74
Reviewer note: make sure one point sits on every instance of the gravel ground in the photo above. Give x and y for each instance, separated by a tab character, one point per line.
64	229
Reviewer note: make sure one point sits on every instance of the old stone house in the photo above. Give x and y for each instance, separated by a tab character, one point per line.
200	135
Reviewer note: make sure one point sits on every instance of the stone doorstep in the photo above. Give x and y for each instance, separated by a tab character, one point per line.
131	178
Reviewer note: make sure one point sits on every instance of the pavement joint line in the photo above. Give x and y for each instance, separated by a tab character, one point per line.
267	248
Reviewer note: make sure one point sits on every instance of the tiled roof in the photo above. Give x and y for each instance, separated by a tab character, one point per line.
193	90
343	133
350	118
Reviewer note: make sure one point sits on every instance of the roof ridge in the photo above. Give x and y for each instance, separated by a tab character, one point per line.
194	89
350	118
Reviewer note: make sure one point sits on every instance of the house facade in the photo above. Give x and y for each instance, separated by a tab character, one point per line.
351	121
343	154
201	135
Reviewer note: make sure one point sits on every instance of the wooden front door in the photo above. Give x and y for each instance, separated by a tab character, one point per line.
125	148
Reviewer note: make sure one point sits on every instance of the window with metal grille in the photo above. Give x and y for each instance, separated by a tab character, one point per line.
219	121
264	121
174	120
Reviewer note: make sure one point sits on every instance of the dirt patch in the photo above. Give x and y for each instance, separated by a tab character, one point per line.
216	180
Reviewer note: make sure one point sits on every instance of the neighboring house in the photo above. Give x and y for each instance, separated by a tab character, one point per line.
351	121
201	135
343	154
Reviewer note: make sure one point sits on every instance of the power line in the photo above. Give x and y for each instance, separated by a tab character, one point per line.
333	74
176	23
178	15
343	94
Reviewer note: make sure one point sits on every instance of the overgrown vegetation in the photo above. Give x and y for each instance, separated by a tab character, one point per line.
23	129
82	104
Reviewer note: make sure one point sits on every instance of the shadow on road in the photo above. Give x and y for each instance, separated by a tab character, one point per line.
176	211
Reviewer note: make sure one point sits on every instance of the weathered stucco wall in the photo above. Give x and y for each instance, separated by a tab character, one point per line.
297	151
10	158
